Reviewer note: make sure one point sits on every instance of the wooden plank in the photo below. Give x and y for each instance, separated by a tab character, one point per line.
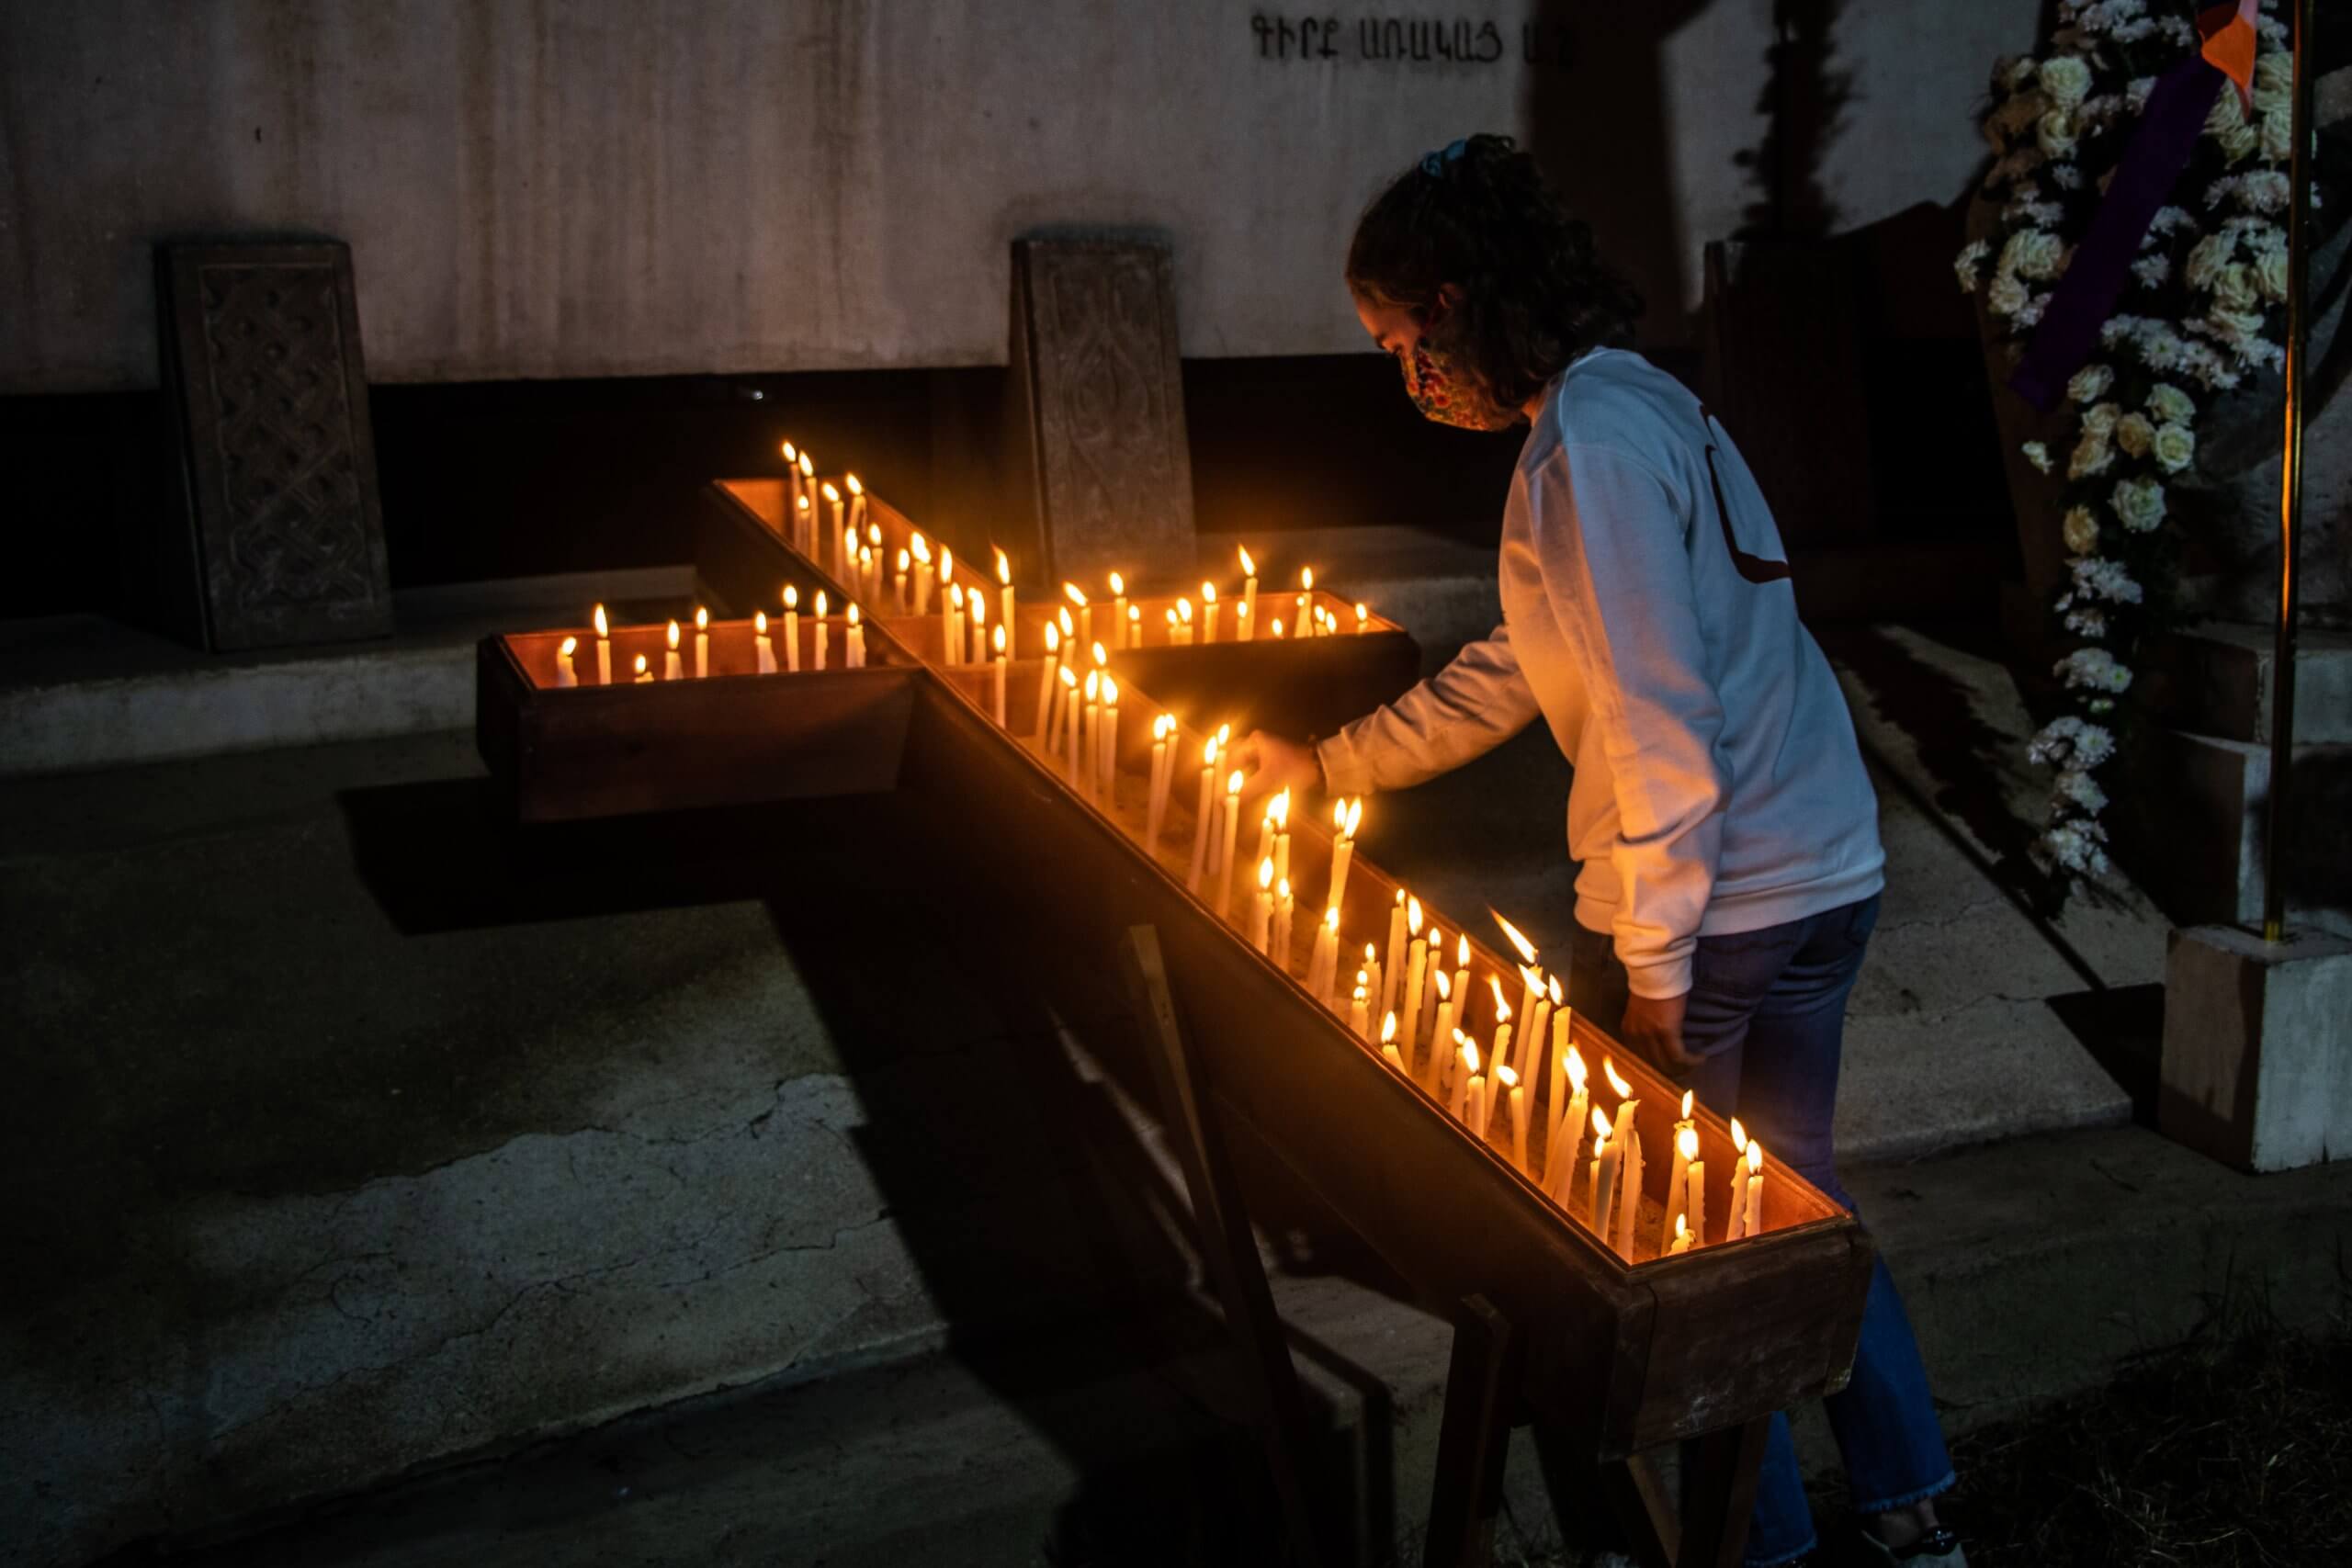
1474	1437
284	536
1719	1495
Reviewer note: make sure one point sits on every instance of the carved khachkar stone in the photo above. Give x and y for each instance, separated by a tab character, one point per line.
284	540
1099	403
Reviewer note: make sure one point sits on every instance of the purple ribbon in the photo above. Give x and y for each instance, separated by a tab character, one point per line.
2085	297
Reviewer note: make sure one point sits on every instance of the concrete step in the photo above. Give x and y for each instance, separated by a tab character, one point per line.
2214	679
1094	1448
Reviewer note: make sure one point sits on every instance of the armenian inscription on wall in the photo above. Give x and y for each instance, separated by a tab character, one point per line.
1409	41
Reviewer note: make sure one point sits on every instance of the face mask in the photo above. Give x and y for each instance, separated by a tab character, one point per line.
1444	393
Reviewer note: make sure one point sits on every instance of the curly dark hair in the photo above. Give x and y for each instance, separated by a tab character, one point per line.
1535	293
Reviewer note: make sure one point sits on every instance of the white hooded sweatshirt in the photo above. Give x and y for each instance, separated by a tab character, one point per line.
1648	617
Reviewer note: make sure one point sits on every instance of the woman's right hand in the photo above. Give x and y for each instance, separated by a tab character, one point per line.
1272	763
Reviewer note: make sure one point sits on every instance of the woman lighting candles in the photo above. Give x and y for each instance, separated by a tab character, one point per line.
1727	832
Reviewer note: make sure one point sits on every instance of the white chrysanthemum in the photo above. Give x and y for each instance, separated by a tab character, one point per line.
2038	454
2004	296
2071	742
2070	846
2095	577
2207	258
2270	30
2065	177
2170	404
2278	133
2153	271
2169	220
2077	786
2177	32
2031	253
2175	447
2090	383
2086	620
2270	274
2080	530
2158	346
2092	670
2139	503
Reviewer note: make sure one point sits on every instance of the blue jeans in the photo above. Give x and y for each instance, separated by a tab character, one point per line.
1767	1015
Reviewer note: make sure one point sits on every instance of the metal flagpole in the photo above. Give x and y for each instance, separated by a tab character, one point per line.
2290	500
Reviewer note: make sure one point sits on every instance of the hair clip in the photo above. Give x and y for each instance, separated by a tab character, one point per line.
1433	164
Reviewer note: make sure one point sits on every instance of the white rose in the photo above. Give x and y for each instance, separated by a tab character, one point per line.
2090	383
2207	257
2054	133
2080	530
2004	296
2100	419
2135	434
2170	404
2140	502
2174	447
2038	454
2067	81
2270	274
2233	289
2092	456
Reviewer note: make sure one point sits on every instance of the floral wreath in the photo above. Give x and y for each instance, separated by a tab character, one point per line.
2203	309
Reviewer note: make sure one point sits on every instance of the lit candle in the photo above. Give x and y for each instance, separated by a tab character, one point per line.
1371	968
1395	954
807	507
1261	908
1110	742
1461	973
1201	818
1755	1221
564	674
1004	594
1184	622
792	630
1509	1077
1282	836
762	651
853	644
640	674
946	566
1447	1026
1603	1178
1466	1076
1502	1021
702	643
1356	1018
1135	626
1682	1237
1736	1214
604	649
1171	614
869	573
1277	628
804	526
1242	623
1064	711
1209	612
1070	717
1626	1104
1389	1042
1345	816
1306	598
1156	793
874	543
898	582
1089	743
1435	941
1567	1123
1284	912
1539	1018
1249	595
821	631
921	547
856	503
1363	619
1531	983
1629	1192
671	669
1686	1149
1118	610
1003	664
1412	998
1077	596
791	477
976	610
836	521
951	624
1046	677
1695	1193
1232	833
1563	1050
1322	965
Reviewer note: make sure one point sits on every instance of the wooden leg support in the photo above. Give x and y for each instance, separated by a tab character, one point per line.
1719	1495
1227	1241
1481	1392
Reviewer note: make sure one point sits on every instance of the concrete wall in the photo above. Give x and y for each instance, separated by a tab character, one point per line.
616	187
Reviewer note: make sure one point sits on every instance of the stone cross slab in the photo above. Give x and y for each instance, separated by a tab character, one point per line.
1102	475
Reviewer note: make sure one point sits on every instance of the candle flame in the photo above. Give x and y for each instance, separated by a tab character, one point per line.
1278	626
800	504
1004	568
1068	678
874	535
1686	1144
1070	627
853	614
997	638
1233	785
1306	578
1110	692
641	665
977	606
1600	1123
1608	1071
1208	593
1388	1027
1413	916
791	597
1462	951
1225	735
1507	1076
1469	1052
946	563
1135	617
1533	979
1444	987
1362	614
955	594
1281	891
1093	684
1280	809
1681	1226
1185	611
1359	994
1053	640
674	636
807	469
1101	657
568	646
830	494
1557	1000
1159	727
1248	566
1208	752
902	569
1071	592
702	619
1502	1008
790	456
920	548
1756	1157
1576	1070
1516	938
821	604
760	622
1332	921
1265	873
854	488
866	555
1739	1135
1118	586
1355	815
603	627
1687	1099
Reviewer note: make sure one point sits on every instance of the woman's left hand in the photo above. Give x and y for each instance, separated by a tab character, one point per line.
1654	1027
1274	762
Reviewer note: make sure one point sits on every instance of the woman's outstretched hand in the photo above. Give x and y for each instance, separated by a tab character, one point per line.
1272	763
1654	1027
